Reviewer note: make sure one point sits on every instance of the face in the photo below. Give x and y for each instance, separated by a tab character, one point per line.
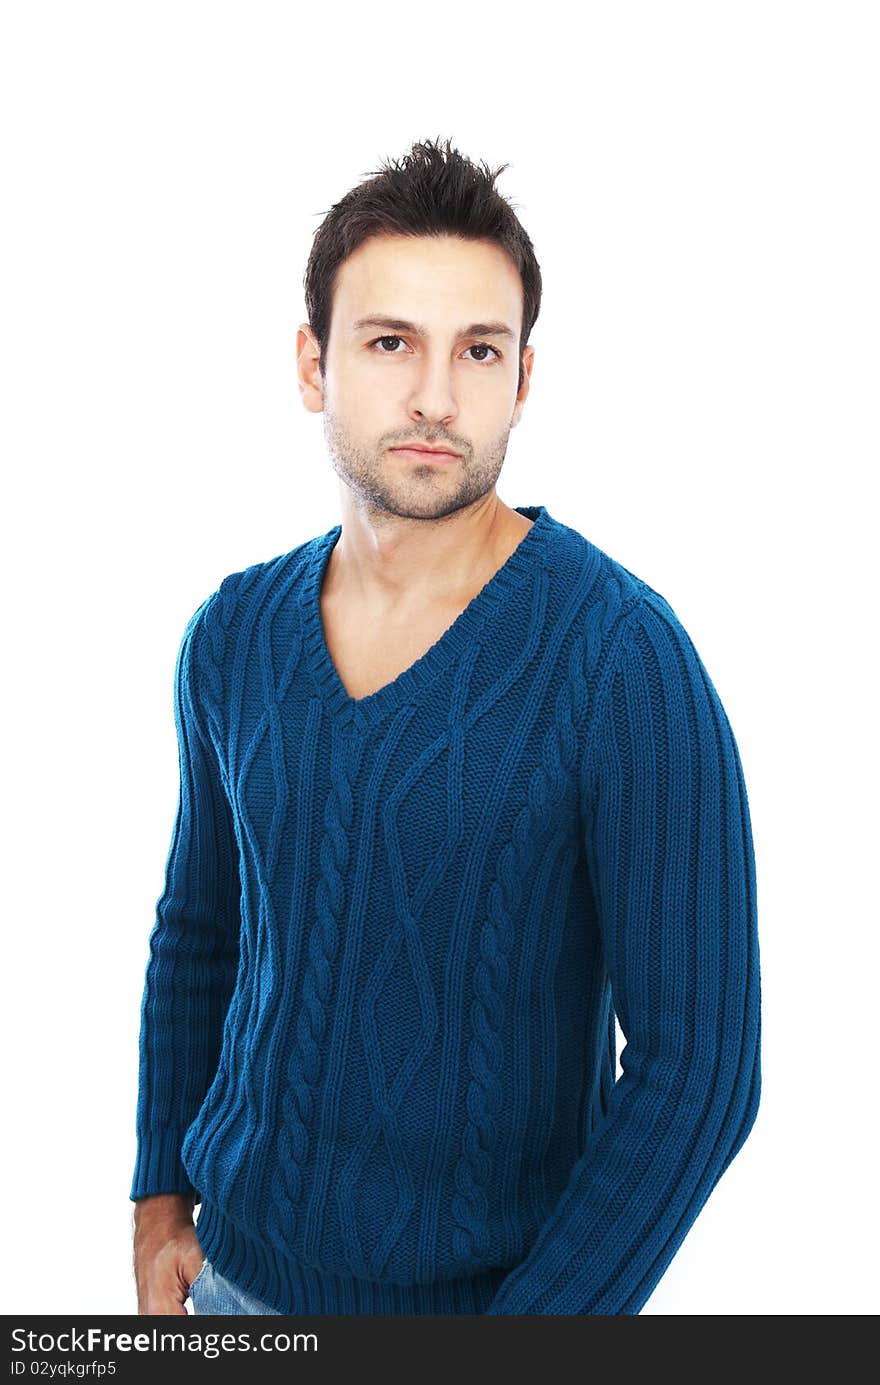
421	375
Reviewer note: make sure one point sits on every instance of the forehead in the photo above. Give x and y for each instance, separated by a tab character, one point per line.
436	279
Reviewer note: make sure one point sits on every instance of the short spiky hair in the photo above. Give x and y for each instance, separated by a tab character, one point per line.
433	190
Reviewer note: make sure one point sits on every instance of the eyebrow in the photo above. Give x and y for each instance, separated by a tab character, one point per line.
398	324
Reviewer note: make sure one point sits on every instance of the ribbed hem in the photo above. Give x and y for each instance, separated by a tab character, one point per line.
290	1287
158	1168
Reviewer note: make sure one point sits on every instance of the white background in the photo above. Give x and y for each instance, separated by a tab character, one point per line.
700	184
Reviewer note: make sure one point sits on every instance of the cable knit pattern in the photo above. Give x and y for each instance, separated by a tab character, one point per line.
304	1068
377	1035
515	864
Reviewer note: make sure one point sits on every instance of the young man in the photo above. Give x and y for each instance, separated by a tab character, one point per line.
455	789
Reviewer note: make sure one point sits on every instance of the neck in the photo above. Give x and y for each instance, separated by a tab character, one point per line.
386	558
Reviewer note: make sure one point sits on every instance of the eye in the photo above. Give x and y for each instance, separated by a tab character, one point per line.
484	346
384	339
477	346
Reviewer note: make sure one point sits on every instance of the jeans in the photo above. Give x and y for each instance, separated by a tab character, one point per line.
211	1293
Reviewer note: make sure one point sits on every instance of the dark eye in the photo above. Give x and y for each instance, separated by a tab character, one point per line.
484	346
384	339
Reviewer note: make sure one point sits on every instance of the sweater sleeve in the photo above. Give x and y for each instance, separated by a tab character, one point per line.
193	945
668	841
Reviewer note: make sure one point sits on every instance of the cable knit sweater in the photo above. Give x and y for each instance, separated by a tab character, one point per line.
377	1037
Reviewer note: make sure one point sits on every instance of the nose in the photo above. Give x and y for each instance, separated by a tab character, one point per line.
432	398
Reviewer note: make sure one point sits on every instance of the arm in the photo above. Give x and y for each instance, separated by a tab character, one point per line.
194	944
668	840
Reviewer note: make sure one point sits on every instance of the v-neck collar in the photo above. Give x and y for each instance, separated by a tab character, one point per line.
364	712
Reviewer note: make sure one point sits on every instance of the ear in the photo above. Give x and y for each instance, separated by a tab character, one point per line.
528	360
308	354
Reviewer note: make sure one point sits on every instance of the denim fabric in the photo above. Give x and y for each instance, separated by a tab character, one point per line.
212	1293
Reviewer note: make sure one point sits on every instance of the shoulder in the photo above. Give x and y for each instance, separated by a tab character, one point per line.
611	572
614	602
653	675
630	635
216	616
209	638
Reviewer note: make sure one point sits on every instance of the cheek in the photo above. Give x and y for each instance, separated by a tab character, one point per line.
371	396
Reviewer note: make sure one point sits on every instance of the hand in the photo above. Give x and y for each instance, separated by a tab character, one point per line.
167	1253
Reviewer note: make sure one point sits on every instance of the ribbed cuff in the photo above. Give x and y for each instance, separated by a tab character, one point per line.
158	1167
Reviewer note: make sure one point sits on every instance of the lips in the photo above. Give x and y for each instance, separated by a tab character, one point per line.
428	451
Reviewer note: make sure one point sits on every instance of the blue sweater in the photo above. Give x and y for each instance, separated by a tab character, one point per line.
377	1039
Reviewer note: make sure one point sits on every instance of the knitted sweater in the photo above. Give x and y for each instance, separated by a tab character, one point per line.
377	1038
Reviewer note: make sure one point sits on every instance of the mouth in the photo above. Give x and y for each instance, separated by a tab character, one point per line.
429	453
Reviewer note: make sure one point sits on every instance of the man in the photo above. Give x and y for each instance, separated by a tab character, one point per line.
456	789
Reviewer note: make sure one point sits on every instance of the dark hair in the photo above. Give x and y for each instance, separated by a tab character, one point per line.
431	191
